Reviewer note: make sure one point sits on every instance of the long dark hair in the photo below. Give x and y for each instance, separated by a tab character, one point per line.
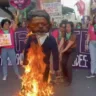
63	22
4	21
72	26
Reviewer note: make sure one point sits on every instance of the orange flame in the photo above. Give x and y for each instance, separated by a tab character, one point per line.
32	80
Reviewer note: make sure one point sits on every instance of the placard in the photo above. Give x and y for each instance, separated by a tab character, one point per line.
5	40
20	4
53	8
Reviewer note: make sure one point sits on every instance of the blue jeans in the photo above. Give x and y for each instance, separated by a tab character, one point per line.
92	49
5	53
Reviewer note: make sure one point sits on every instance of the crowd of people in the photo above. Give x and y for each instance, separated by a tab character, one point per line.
60	41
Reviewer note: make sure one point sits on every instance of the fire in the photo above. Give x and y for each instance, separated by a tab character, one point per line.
32	80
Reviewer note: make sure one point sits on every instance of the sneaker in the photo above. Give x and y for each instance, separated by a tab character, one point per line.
90	76
4	78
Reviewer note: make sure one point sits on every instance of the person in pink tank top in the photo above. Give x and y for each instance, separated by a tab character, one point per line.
59	33
9	51
91	45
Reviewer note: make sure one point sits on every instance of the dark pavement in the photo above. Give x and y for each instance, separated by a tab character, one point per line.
80	86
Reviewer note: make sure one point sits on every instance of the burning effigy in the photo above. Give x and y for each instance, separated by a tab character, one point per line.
38	48
32	80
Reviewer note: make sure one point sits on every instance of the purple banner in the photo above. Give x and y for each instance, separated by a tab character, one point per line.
20	36
83	57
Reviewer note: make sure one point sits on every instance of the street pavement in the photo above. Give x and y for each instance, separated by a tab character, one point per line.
81	86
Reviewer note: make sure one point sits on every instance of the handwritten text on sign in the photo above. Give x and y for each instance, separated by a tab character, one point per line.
53	8
5	40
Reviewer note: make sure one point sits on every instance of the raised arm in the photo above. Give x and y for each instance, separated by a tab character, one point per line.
61	44
16	19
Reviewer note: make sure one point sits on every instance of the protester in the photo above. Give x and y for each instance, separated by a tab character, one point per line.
79	25
9	51
53	23
19	25
91	45
69	52
39	24
22	24
58	33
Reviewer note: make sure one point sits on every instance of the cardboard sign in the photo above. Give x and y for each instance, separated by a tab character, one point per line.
53	8
5	40
20	4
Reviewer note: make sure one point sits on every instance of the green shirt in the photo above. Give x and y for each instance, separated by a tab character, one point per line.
6	31
68	35
78	27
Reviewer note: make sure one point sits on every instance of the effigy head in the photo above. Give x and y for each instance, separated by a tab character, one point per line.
39	21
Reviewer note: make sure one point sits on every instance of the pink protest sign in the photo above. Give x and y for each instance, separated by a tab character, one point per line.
20	4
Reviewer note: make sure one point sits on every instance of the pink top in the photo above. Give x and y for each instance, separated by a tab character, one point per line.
92	33
55	33
12	37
